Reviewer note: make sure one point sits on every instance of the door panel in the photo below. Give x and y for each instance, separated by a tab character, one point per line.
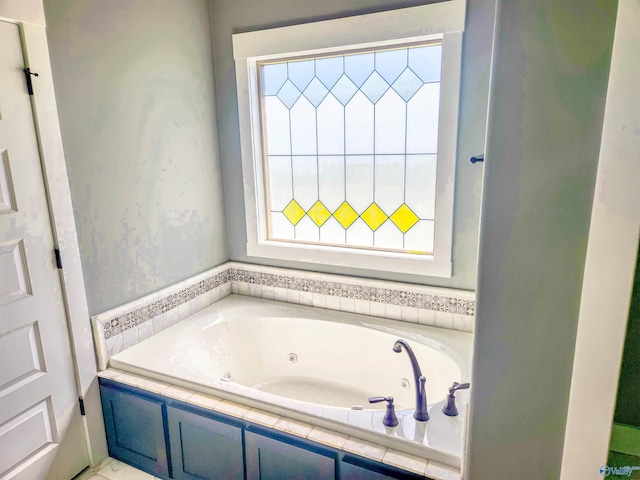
38	393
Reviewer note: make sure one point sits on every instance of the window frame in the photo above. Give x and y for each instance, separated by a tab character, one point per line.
442	21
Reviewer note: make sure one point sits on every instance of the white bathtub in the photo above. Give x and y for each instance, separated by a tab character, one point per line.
316	365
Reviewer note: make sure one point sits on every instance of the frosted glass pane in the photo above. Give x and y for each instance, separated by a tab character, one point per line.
388	236
280	189
358	67
389	182
281	227
307	231
288	94
303	128
391	63
331	181
329	70
332	232
420	237
330	126
420	194
359	125
277	122
305	181
391	112
344	90
407	84
273	77
422	120
426	62
360	234
301	73
360	182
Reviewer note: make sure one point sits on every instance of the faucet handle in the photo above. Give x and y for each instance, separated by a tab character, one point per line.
389	419
458	386
450	408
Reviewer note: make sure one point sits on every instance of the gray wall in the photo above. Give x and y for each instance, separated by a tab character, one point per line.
549	81
135	91
229	17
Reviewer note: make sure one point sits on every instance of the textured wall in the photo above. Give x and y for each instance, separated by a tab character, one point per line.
549	82
229	17
135	91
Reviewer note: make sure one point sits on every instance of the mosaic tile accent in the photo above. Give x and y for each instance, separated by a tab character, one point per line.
149	315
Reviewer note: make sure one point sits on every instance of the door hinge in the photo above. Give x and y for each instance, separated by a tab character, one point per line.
81	401
58	259
27	74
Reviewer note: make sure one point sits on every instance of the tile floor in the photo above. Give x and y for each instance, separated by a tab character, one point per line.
112	469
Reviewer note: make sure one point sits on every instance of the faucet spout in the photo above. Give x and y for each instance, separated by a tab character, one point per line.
421	414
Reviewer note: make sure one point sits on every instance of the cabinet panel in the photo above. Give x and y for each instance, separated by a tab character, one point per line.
203	448
271	459
135	430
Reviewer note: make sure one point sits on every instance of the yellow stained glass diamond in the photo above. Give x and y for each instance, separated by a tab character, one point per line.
319	213
345	215
294	212
404	218
374	216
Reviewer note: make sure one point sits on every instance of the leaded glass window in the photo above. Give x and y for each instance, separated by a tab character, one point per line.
350	148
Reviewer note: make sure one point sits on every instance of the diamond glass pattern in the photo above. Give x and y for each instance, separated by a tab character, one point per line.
315	92
288	94
309	109
345	215
374	87
404	218
319	213
374	216
293	212
344	90
407	84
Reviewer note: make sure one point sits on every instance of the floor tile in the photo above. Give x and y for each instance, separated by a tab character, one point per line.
116	470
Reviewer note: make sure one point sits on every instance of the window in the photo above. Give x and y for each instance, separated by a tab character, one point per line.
348	148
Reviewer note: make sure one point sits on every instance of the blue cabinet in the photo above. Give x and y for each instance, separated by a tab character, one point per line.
174	440
272	459
203	448
135	430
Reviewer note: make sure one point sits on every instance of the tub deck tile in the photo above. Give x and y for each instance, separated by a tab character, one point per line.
263	418
178	393
365	449
294	427
405	461
110	373
204	401
438	471
231	408
327	437
131	379
153	386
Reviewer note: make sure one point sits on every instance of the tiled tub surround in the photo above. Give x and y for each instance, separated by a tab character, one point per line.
129	324
340	360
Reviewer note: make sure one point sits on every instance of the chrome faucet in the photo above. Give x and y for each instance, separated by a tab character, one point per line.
421	414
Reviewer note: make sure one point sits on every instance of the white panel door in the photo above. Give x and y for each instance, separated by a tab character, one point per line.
39	414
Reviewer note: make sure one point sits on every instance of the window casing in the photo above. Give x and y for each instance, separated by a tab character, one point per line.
285	79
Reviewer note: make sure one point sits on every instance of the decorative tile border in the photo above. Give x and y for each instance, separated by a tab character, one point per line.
421	466
120	328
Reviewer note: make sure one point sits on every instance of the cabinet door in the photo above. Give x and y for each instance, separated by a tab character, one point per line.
360	468
135	430
270	459
203	448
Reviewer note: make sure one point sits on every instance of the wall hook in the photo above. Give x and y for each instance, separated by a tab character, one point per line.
477	158
27	73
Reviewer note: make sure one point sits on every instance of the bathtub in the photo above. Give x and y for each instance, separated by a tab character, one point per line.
315	365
